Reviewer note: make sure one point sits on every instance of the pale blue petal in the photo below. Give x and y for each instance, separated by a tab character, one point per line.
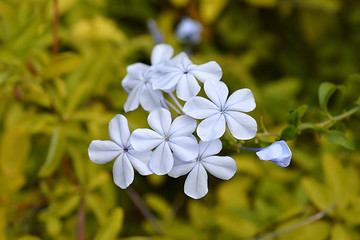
212	127
144	140
140	161
137	68
208	71
182	126
162	159
123	172
209	148
196	182
160	121
278	152
181	59
133	100
167	82
103	151
217	91
187	87
150	99
222	167
161	53
181	168
119	130
199	108
241	100
241	125
184	147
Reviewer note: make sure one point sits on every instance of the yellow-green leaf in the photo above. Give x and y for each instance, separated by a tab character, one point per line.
112	226
55	151
318	194
61	64
339	232
210	10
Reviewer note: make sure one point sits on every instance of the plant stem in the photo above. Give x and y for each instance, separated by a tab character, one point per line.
331	120
172	106
144	210
307	221
250	149
176	101
56	27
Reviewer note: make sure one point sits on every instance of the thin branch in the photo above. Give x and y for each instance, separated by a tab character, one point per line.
81	220
134	196
172	106
307	221
55	28
176	101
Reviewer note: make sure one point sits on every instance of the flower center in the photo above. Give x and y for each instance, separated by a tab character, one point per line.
166	139
198	159
126	150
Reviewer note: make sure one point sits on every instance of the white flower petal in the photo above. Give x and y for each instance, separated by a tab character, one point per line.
167	82
140	161
144	140
160	121
150	99
181	168
185	148
133	100
187	87
222	167
241	100
162	159
241	125
103	151
212	127
196	182
137	68
123	172
199	108
181	59
160	53
208	148
182	126
130	81
217	91
207	71
119	130
269	153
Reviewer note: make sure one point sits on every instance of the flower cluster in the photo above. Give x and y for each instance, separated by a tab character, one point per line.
171	145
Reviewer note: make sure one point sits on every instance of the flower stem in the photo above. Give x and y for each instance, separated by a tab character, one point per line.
176	102
307	221
144	210
250	149
331	119
172	106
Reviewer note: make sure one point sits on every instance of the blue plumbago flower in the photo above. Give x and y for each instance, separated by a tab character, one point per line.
278	153
154	31
221	111
196	184
180	73
168	138
120	148
189	31
138	80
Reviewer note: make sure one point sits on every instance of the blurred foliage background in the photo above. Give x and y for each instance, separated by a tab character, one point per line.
299	57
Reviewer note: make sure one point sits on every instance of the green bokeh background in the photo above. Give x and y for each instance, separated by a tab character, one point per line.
52	106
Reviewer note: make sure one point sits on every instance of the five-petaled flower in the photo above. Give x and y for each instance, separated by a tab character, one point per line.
189	31
127	158
138	80
180	73
196	184
278	153
167	138
221	111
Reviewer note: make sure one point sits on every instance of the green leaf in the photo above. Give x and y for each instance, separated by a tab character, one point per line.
339	232
289	133
55	151
337	181
315	231
61	64
210	10
295	115
317	193
326	89
112	226
159	205
338	138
